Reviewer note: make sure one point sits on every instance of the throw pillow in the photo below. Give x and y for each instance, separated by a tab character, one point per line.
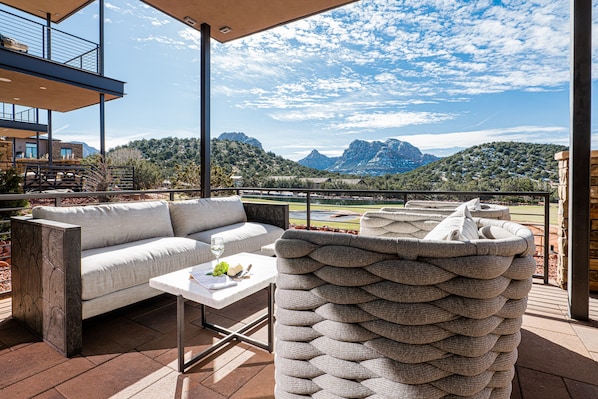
458	226
474	204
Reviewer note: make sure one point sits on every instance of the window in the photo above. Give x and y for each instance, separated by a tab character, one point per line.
66	153
30	150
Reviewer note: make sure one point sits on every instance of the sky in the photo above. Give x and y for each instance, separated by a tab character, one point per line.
442	75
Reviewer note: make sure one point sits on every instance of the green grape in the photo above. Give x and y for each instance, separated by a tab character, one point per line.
220	269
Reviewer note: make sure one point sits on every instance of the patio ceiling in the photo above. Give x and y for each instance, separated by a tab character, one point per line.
59	10
242	17
19	134
36	92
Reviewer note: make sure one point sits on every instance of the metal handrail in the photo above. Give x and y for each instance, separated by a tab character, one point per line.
65	48
406	194
311	195
30	115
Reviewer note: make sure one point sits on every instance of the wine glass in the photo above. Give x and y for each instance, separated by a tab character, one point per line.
217	247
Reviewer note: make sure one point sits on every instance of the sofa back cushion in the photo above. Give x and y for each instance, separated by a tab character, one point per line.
192	216
111	224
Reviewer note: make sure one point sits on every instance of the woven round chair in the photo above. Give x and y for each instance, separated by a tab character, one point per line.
418	218
482	210
376	317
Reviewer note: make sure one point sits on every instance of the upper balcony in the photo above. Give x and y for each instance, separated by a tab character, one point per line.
20	122
43	67
39	40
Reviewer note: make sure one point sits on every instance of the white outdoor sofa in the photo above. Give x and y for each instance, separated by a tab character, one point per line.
73	263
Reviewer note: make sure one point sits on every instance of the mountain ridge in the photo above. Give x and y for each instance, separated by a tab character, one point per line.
242	138
506	166
87	149
317	160
373	158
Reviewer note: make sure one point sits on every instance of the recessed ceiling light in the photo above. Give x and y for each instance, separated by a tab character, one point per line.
190	21
5	80
42	87
17	98
225	29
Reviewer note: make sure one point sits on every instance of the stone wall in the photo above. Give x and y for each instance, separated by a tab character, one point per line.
563	220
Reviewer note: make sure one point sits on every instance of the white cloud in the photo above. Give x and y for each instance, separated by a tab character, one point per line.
392	120
173	43
111	6
538	134
368	65
158	22
295	116
381	64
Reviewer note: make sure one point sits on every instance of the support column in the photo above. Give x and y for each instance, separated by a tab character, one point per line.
102	95
49	53
579	159
50	137
37	134
204	93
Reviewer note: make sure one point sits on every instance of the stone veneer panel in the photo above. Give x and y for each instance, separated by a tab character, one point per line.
274	214
46	278
563	220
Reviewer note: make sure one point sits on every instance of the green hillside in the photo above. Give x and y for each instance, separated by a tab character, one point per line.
251	162
505	166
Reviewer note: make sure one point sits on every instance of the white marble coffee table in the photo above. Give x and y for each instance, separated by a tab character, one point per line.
262	275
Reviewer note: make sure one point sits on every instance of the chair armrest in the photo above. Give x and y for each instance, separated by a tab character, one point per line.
274	214
46	281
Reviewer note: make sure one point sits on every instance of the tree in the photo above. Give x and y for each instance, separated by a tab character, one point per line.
10	184
147	175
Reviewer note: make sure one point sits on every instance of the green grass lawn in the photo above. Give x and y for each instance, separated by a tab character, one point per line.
533	214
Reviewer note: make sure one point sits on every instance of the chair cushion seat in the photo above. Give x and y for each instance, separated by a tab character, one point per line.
110	269
242	237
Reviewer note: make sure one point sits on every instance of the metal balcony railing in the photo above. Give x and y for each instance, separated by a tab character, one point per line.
18	113
49	43
304	199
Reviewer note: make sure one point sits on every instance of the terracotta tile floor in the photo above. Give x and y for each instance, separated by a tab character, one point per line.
131	353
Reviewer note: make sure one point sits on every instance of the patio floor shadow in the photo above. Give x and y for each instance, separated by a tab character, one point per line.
131	353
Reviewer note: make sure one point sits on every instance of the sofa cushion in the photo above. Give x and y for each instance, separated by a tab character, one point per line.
494	232
110	269
192	216
242	237
459	226
111	224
